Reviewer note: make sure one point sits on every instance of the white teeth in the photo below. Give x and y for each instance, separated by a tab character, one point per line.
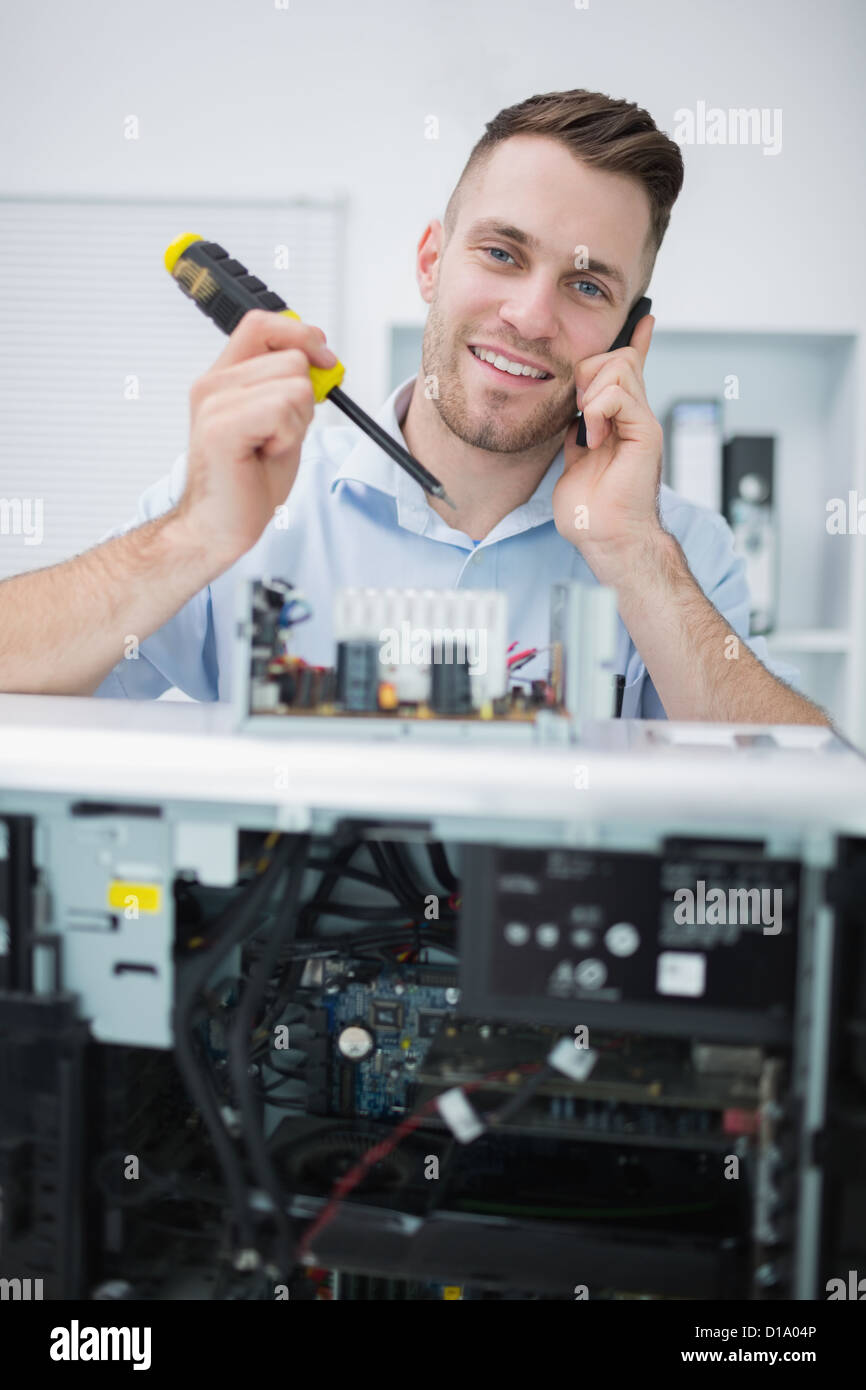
506	365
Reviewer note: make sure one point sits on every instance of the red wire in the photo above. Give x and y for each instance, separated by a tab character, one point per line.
346	1184
343	1186
522	656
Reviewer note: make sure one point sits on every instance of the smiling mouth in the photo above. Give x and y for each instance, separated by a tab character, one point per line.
505	367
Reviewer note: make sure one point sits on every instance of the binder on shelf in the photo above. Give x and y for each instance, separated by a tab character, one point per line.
749	506
693	436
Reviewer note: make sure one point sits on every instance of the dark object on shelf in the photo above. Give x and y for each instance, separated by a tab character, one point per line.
749	506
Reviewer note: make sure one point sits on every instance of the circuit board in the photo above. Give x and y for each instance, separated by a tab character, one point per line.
401	1010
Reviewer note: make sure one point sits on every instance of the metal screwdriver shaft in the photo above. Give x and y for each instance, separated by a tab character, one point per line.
387	442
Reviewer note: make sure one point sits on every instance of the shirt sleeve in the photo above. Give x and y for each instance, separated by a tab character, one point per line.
708	545
182	652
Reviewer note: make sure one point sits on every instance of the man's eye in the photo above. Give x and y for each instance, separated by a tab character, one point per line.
593	286
492	250
595	291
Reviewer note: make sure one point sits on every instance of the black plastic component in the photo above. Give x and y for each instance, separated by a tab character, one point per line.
328	687
496	1253
535	944
358	675
840	1149
450	688
228	291
305	687
17	879
225	313
42	1139
113	808
288	688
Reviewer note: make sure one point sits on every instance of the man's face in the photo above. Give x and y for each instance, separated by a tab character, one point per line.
492	291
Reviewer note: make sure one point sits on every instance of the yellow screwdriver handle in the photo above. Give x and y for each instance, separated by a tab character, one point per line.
324	379
215	281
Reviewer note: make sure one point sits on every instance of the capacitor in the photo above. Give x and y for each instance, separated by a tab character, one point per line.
355	1042
388	697
358	675
450	691
288	683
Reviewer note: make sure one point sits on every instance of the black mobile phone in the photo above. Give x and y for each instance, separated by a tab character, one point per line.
643	306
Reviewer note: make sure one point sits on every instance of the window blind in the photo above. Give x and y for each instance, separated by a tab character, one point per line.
98	348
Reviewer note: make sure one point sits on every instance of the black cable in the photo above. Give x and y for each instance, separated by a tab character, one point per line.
366	914
185	1232
399	857
393	879
230	929
281	1102
356	875
524	1094
439	864
359	942
284	992
239	1051
341	860
394	872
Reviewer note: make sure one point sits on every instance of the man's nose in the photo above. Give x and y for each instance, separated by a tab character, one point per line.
530	310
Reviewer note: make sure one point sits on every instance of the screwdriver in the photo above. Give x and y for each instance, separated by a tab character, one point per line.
224	290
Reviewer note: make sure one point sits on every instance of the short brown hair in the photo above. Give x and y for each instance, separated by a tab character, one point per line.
617	136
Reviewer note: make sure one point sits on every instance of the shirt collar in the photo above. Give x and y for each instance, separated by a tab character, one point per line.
368	464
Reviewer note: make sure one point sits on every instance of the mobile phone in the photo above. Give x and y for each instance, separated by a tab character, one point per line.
643	306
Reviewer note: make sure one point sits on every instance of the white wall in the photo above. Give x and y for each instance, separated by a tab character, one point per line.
238	97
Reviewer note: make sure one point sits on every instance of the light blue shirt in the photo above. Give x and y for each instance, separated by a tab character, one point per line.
354	518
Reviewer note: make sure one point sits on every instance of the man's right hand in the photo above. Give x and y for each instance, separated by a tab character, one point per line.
248	417
63	629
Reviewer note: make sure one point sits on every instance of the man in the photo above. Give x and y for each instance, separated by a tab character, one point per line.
549	239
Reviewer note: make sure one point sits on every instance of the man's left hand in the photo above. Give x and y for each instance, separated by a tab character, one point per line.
606	502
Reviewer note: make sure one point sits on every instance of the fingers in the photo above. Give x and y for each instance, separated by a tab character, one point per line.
634	420
613	373
262	330
270	416
270	366
642	336
635	354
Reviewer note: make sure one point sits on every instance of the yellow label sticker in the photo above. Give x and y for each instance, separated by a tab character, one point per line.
144	897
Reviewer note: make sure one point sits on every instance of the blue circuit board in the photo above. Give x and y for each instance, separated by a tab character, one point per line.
403	1017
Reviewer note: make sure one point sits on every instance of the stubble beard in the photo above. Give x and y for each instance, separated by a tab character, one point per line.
485	426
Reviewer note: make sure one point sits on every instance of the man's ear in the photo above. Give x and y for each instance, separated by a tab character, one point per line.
428	258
